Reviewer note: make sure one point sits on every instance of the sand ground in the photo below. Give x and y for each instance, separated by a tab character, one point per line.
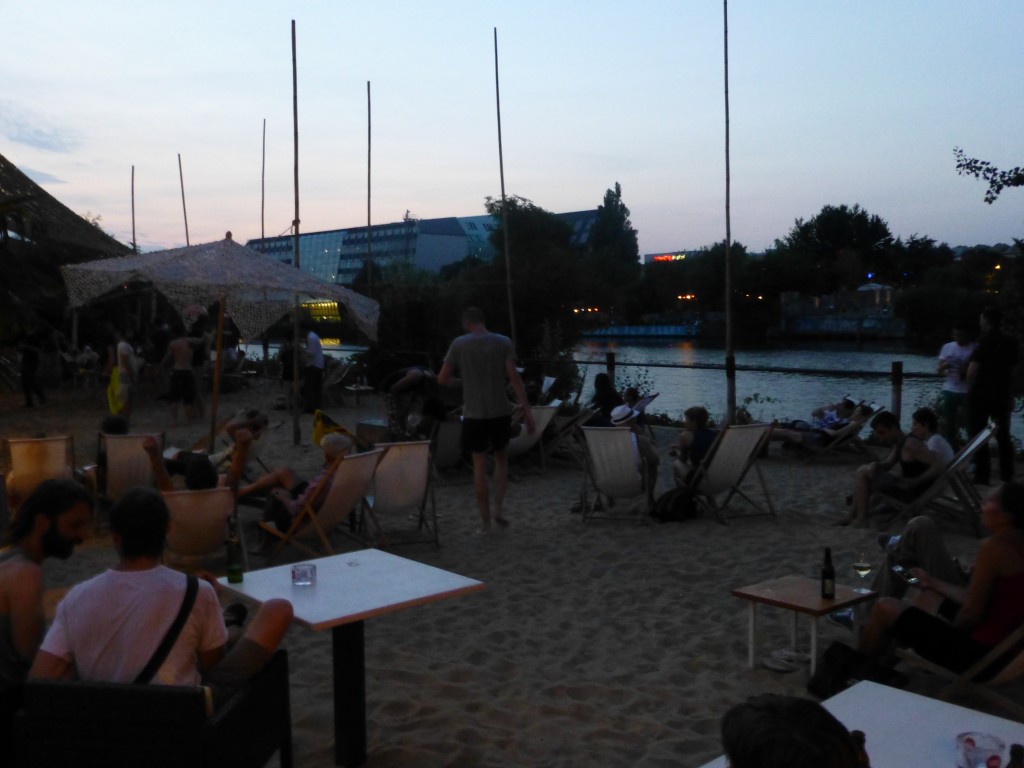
608	644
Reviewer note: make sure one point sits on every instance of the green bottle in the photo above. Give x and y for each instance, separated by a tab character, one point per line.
234	553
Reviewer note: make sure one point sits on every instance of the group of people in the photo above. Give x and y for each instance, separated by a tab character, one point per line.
110	627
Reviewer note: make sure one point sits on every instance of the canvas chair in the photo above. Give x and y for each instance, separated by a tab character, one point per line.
565	438
951	493
447	448
525	442
611	468
724	468
401	485
127	466
352	476
199	523
848	443
965	683
30	461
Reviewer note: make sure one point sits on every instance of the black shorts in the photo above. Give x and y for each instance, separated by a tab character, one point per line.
480	434
942	643
183	387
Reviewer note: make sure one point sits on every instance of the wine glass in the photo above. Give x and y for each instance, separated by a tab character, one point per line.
862	566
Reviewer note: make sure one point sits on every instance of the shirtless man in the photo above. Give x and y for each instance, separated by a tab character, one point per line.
183	380
53	519
918	466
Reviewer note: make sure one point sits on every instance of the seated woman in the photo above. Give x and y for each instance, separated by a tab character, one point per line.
955	625
604	400
694	442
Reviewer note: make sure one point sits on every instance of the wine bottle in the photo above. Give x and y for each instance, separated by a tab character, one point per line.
828	577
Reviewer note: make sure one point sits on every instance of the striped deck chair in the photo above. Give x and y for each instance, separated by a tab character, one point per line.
612	471
724	468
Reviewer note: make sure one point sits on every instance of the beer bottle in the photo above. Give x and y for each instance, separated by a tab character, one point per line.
234	553
828	577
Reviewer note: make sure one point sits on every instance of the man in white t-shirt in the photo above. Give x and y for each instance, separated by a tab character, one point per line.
108	627
924	425
953	359
314	371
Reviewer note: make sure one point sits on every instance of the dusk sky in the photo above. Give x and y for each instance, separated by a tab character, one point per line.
831	103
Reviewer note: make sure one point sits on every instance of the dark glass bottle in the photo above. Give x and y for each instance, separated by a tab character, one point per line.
234	553
828	577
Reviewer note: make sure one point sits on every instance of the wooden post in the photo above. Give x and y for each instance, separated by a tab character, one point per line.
184	210
897	388
369	229
135	245
296	434
504	201
219	346
730	357
610	365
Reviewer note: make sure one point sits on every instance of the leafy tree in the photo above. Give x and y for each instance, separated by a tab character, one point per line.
613	260
837	249
984	170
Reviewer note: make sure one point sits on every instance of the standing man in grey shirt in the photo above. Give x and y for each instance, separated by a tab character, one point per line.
484	361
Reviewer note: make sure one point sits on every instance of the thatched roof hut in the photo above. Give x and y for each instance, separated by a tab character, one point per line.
38	234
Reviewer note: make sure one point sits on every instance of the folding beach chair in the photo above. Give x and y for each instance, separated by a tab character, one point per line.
447	448
525	442
616	470
965	682
951	493
351	482
848	443
565	439
725	466
401	488
30	461
199	523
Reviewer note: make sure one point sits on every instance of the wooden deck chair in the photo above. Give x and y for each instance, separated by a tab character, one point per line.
127	462
965	682
199	523
611	468
951	493
525	442
848	444
30	461
401	487
565	438
725	466
351	482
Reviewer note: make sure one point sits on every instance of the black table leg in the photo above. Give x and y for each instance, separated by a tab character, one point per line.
349	695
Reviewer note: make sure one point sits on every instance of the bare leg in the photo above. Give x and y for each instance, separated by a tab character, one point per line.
480	487
861	495
270	623
500	485
875	639
283	477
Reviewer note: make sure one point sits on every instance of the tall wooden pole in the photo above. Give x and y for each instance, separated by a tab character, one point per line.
184	210
369	230
263	187
135	245
296	435
730	358
217	365
504	202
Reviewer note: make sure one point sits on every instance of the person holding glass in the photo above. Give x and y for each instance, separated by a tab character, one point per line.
954	624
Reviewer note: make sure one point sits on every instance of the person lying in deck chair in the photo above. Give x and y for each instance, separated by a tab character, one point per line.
197	469
287	494
804	433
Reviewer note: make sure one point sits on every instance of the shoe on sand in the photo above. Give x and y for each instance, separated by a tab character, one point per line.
777	664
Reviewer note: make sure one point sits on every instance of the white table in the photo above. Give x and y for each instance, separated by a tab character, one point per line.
349	589
905	730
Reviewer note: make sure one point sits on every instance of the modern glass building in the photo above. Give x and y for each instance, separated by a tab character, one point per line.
338	255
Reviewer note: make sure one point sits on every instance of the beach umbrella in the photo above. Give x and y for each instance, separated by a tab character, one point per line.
259	289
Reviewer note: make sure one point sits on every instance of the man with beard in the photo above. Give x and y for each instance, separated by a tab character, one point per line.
49	524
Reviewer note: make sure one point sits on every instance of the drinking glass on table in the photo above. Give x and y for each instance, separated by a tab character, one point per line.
862	566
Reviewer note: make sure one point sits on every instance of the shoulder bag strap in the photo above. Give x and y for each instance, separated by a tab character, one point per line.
160	655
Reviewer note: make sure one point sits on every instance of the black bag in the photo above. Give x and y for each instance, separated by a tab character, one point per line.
674	506
839	668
